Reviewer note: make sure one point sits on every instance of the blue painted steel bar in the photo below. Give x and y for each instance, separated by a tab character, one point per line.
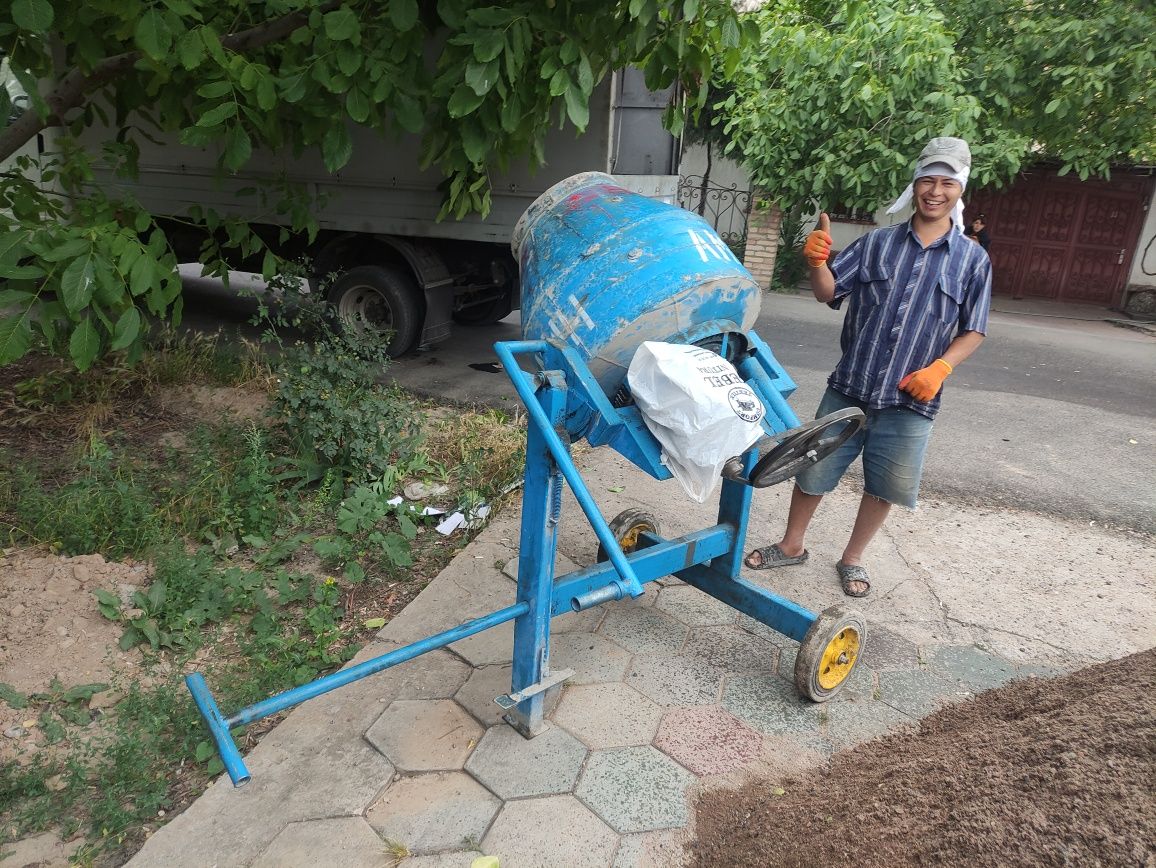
226	747
506	351
296	695
538	543
663	558
734	509
776	612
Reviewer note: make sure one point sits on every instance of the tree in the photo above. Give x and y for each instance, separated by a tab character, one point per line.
81	270
836	98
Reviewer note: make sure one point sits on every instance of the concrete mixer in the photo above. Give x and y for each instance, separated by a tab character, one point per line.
604	270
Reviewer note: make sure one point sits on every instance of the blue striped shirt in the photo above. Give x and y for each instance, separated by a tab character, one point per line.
907	304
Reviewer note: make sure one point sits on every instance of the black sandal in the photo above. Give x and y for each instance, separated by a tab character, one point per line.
849	573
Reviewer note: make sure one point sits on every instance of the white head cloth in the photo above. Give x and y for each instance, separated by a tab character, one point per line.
943	171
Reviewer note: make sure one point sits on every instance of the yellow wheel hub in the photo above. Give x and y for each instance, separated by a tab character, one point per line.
838	658
629	541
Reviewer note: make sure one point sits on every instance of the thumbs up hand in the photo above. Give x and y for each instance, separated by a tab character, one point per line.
817	247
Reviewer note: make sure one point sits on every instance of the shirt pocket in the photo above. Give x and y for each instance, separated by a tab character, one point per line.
875	281
948	299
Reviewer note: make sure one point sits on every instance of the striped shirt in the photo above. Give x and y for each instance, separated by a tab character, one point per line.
907	304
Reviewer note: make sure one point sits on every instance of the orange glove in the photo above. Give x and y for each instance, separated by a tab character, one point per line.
924	384
817	247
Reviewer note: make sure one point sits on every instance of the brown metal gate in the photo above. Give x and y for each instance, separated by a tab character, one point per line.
1062	238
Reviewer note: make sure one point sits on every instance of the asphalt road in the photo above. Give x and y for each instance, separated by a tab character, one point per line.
1051	414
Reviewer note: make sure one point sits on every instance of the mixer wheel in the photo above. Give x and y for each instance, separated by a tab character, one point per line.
829	652
627	528
803	446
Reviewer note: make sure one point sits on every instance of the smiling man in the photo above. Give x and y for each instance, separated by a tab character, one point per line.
918	296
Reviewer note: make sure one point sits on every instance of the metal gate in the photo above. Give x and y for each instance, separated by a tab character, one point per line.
724	208
1062	238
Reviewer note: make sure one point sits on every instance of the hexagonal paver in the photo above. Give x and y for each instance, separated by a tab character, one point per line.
861	684
851	723
916	692
422	735
513	766
343	842
694	608
770	705
636	789
758	628
608	715
707	740
731	649
557	830
434	812
971	666
495	645
886	650
594	659
477	695
578	622
674	679
643	629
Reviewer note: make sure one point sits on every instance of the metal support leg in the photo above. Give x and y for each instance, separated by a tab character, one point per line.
541	511
734	508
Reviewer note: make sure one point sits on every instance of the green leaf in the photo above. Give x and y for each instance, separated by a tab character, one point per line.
408	113
126	330
84	345
374	623
190	49
217	114
463	101
238	148
489	44
577	108
77	284
336	147
341	24
21	272
67	249
15	337
152	34
403	14
35	16
83	692
204	751
475	142
9	694
140	278
215	89
481	76
358	105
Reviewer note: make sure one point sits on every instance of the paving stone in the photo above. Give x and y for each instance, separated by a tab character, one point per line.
770	705
971	666
557	830
342	842
758	628
577	622
495	645
651	849
852	723
916	692
425	735
674	679
886	650
642	629
594	659
636	789
649	595
693	607
707	739
608	715
513	766
731	649
456	859
477	695
562	566
432	812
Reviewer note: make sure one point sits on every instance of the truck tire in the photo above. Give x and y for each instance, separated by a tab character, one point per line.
381	298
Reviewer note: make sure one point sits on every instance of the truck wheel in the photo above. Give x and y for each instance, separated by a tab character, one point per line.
485	313
382	299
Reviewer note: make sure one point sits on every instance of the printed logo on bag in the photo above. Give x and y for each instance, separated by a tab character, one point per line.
745	403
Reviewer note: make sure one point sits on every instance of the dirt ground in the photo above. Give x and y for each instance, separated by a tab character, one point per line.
1041	772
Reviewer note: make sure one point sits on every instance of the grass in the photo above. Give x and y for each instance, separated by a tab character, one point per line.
263	576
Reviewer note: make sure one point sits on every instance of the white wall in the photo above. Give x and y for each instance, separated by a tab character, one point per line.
1145	258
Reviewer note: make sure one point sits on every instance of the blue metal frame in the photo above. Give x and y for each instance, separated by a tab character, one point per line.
565	403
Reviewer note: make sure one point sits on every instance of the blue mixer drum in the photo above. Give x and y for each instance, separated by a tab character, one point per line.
604	269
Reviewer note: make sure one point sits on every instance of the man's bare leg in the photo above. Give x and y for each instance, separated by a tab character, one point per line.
872	513
799	517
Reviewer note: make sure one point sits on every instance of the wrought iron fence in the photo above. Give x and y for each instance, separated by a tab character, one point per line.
725	208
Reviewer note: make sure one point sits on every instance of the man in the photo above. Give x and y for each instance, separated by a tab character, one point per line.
978	232
918	297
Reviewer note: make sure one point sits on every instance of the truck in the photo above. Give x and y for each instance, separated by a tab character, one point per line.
383	259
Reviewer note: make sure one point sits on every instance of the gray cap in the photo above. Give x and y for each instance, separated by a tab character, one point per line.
945	149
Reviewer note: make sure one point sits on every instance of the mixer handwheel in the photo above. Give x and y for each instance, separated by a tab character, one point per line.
803	446
628	527
829	652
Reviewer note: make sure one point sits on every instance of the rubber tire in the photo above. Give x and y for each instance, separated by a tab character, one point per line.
824	629
624	524
381	297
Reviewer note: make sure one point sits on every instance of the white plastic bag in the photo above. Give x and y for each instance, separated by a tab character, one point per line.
698	407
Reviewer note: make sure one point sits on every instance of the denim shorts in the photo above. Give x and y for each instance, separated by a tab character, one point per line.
893	441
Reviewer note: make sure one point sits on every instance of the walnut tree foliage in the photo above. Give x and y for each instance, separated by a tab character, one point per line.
81	271
837	98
